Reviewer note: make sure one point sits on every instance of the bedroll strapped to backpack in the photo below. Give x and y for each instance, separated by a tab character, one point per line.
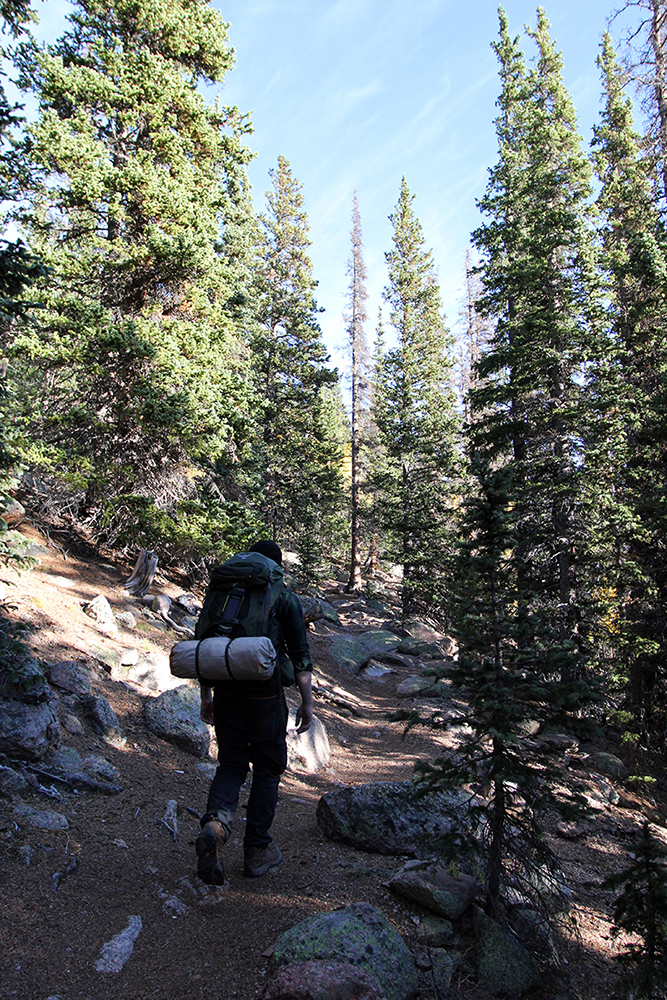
240	597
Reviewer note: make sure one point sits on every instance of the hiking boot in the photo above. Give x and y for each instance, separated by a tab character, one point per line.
258	860
208	846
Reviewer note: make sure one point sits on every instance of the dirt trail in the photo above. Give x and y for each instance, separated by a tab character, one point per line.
196	941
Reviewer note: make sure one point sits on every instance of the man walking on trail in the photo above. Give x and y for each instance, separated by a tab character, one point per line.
250	719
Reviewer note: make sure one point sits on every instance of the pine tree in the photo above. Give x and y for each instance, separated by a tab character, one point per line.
505	689
19	269
641	908
300	481
630	387
359	354
538	272
136	375
414	412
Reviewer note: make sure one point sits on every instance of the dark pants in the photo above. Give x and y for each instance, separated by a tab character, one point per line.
248	731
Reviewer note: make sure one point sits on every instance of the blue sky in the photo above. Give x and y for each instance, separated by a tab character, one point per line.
357	93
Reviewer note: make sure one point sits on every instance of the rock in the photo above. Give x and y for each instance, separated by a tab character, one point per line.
11	782
11	511
436	931
558	741
28	731
414	686
206	769
422	648
358	935
22	546
63	759
388	818
174	715
607	763
444	965
307	752
150	673
129	657
72	724
100	610
503	964
22	677
103	717
426	633
399	659
436	890
329	613
116	952
312	611
42	819
126	619
68	676
322	981
375	671
353	653
100	768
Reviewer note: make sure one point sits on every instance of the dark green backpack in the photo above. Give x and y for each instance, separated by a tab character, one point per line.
239	599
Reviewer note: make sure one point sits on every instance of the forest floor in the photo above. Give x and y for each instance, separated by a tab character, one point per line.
202	942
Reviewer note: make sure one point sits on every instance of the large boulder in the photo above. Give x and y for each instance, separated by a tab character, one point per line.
28	731
388	817
358	935
174	715
151	672
322	981
503	964
307	752
353	652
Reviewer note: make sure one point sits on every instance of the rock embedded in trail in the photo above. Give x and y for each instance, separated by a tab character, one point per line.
41	819
28	731
103	717
436	890
387	817
353	652
359	935
307	752
69	676
174	715
323	980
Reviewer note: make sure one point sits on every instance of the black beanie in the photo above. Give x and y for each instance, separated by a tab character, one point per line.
269	549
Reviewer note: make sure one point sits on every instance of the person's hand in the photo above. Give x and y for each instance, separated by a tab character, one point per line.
304	717
206	710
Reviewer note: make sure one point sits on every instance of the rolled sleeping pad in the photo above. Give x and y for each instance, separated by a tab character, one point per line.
248	658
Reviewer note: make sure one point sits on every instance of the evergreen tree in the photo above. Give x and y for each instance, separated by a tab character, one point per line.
540	286
135	379
476	331
19	269
414	412
505	688
359	353
300	480
641	908
630	387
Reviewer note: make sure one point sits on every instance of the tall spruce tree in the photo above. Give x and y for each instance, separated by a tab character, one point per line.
539	284
135	377
630	388
360	404
414	413
301	481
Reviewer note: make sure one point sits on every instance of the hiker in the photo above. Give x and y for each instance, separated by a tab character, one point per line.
250	719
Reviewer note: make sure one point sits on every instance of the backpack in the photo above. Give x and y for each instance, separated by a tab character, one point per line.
240	597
